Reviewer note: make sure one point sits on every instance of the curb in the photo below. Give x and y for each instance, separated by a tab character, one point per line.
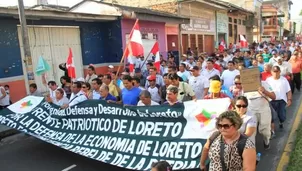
8	133
289	146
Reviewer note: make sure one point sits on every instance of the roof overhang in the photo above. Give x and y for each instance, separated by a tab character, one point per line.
59	15
157	18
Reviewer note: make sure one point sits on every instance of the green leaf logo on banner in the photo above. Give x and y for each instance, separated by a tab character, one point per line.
42	66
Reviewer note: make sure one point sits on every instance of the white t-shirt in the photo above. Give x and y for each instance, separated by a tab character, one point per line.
255	99
281	87
249	120
153	103
154	93
52	94
198	85
210	73
61	102
78	98
284	68
228	77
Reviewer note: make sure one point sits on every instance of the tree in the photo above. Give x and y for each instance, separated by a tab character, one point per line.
301	12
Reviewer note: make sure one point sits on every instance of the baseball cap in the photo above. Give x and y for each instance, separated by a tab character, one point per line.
194	68
111	66
125	73
215	86
151	78
184	55
279	58
81	79
137	70
273	52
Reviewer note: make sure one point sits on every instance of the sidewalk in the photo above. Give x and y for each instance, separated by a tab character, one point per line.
271	159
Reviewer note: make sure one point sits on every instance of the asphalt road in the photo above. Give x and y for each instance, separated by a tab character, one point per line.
24	153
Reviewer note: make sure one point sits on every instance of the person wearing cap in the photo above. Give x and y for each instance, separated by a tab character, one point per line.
154	89
110	68
138	74
145	99
285	67
273	60
159	79
185	91
210	71
215	92
199	83
184	58
191	62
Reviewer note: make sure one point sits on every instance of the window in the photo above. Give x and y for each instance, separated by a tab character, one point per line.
239	22
243	22
230	19
235	21
230	30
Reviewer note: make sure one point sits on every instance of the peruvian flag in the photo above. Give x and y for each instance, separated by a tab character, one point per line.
155	52
135	46
222	46
243	42
70	65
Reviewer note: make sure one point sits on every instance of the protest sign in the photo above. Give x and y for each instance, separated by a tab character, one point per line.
130	137
250	79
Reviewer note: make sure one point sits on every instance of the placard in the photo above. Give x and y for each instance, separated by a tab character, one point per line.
250	79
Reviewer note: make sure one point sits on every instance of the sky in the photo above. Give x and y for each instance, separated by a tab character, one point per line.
296	8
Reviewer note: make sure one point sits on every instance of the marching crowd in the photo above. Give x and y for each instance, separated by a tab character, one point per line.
199	76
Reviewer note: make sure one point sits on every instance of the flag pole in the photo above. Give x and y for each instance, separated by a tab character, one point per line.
124	53
145	60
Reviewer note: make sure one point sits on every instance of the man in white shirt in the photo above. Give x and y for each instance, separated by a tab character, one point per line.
52	85
145	99
210	71
96	84
285	67
77	95
283	93
274	58
4	98
199	83
229	75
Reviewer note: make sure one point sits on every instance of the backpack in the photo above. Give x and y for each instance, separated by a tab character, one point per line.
240	145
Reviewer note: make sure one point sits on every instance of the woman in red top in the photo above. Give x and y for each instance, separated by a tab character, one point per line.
267	72
296	68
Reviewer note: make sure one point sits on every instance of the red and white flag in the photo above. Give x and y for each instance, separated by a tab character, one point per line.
135	47
243	42
70	65
155	52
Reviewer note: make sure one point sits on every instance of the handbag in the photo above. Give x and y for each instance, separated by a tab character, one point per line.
186	96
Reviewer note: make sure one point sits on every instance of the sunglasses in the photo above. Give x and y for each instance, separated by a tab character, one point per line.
275	71
241	106
224	126
237	83
84	87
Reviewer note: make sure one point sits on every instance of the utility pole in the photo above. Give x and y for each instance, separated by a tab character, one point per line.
26	46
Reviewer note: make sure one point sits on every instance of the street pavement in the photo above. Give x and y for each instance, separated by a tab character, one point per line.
24	153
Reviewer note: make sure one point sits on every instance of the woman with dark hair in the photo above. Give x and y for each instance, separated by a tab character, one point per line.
249	125
62	66
91	74
161	166
227	148
86	88
66	85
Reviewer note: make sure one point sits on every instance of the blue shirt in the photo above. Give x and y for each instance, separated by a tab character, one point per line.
109	97
259	67
130	97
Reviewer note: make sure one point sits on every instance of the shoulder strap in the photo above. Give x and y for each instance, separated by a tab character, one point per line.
224	168
241	144
213	137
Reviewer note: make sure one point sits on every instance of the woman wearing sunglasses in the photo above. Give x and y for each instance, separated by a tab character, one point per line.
86	88
227	148
236	89
249	125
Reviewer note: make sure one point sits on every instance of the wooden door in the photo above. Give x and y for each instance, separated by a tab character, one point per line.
209	43
192	41
172	41
185	42
200	43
